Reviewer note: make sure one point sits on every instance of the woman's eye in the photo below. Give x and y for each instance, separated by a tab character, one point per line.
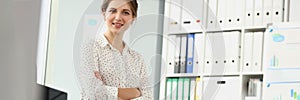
126	13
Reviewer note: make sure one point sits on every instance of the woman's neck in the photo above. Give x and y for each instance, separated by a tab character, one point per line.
116	40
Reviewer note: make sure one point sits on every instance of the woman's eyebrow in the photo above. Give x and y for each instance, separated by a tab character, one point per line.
112	8
126	10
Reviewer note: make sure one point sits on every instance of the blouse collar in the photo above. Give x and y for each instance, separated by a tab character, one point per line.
104	43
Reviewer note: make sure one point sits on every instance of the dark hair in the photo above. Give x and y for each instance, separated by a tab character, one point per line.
133	5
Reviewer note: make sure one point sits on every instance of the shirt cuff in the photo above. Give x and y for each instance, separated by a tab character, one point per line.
138	98
112	92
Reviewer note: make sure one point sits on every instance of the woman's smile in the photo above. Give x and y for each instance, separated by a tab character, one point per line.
117	25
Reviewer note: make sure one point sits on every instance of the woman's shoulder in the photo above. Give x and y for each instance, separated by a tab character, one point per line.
93	42
135	53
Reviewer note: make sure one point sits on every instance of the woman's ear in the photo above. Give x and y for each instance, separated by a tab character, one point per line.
103	14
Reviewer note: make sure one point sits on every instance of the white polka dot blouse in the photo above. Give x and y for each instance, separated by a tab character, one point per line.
118	70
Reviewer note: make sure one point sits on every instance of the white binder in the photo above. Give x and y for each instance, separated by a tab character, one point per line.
192	88
249	12
177	54
294	15
230	12
259	90
174	16
183	48
186	89
171	54
258	17
277	15
199	53
205	13
222	53
248	47
267	11
211	14
221	14
219	53
208	53
232	43
239	12
192	15
257	51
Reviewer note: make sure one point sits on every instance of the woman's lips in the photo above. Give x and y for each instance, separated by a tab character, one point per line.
117	25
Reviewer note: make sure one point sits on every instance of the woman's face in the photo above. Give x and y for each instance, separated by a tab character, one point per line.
118	16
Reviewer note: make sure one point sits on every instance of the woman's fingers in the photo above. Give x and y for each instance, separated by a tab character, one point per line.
97	75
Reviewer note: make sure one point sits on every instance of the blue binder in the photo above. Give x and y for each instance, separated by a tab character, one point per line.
190	53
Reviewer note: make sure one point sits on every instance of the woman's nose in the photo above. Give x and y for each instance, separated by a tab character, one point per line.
118	16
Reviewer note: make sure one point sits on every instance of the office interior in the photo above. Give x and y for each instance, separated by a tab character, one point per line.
184	42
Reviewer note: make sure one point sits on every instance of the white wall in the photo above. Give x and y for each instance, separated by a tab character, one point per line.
19	23
60	73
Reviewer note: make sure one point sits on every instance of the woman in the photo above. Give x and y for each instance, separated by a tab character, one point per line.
109	69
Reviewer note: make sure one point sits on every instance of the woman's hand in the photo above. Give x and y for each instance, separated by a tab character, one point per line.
97	75
128	93
123	93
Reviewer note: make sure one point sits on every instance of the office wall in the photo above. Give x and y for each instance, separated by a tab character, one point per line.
18	40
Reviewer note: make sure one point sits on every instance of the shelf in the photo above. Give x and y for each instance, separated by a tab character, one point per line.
248	28
255	28
184	32
182	75
277	68
222	30
252	73
216	75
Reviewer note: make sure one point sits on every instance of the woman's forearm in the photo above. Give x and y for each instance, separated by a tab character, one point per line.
123	93
128	93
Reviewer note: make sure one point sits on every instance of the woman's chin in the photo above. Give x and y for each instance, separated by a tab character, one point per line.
119	30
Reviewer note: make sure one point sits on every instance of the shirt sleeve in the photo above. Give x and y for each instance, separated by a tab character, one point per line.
145	84
91	87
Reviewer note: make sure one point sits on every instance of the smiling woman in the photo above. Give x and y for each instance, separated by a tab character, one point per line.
109	69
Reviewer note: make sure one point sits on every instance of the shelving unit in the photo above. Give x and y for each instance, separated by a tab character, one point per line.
170	25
